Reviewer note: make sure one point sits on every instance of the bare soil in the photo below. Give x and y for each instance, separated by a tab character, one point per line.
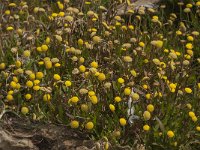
22	134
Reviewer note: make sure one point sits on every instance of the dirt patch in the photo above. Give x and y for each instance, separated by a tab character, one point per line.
22	134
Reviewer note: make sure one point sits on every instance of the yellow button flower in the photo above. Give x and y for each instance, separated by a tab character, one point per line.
89	125
198	128
150	108
9	97
29	84
122	121
135	96
24	110
44	48
28	96
94	99
94	64
117	99
82	68
68	83
146	115
46	97
170	134
74	124
146	127
36	88
112	107
194	118
188	90
101	76
120	80
127	91
56	77
74	99
39	75
84	107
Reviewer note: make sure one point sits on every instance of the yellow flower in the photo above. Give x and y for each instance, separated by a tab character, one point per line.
84	107
46	97
101	76
74	124
189	5
170	134
187	10
48	64
39	75
82	68
127	91
198	85
9	97
13	84
188	90
12	5
74	99
127	59
122	121
159	44
146	127
141	44
9	28
89	125
61	14
56	77
91	93
24	110
172	87
145	86
47	41
28	96
146	115
10	92
120	80
150	108
189	106
96	39
80	42
32	76
134	73
29	84
94	64
112	107
178	32
190	38
135	96
94	99
68	83
189	46
44	48
36	82
117	99
194	118
191	114
7	12
18	64
2	66
36	88
156	61
198	128
148	96
26	53
131	27
60	5
39	49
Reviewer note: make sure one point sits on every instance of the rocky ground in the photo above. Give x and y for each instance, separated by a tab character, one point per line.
21	134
